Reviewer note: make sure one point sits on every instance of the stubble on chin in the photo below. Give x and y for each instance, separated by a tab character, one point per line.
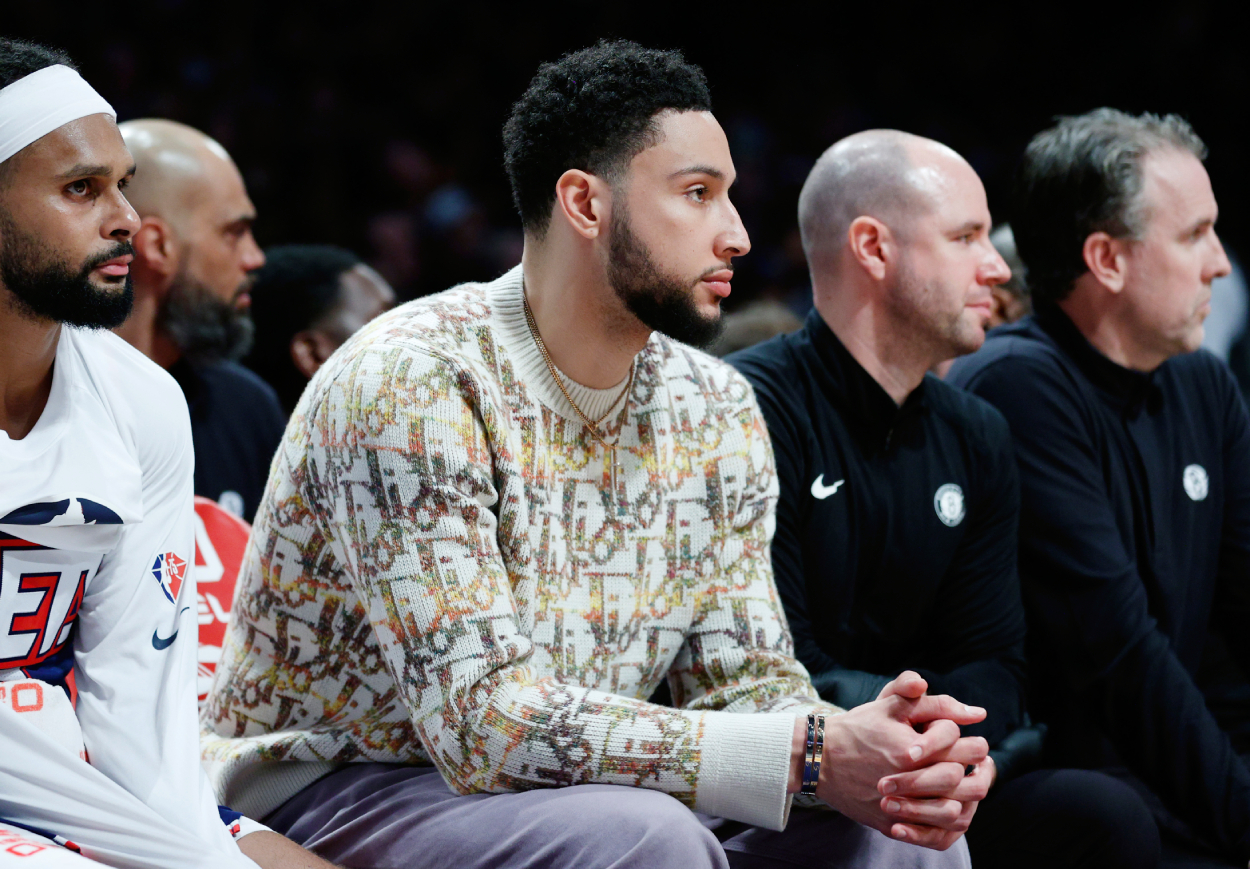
971	334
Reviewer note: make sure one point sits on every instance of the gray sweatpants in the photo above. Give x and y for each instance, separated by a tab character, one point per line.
382	816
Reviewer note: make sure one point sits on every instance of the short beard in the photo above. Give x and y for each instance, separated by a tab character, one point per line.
51	289
920	305
662	302
203	327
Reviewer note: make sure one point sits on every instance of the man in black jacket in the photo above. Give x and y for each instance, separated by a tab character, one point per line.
896	529
193	271
1134	456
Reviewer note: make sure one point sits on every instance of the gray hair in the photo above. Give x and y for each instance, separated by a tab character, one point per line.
1084	175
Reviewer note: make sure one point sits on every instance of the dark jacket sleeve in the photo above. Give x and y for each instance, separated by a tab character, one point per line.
979	618
268	421
1232	604
1088	608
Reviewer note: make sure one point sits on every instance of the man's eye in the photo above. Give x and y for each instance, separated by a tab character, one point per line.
80	188
698	194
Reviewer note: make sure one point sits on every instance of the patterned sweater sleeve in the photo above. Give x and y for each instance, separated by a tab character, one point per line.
402	468
739	656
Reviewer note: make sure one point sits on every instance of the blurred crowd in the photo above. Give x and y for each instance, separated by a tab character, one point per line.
379	131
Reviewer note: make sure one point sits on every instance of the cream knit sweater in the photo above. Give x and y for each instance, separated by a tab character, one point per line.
440	573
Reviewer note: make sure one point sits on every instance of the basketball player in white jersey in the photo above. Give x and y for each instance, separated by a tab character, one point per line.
96	533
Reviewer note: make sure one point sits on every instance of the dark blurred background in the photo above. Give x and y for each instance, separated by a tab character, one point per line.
376	126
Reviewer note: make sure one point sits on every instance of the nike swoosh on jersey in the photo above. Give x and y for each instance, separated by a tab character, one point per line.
821	491
161	645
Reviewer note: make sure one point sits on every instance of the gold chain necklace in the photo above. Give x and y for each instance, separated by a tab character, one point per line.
592	425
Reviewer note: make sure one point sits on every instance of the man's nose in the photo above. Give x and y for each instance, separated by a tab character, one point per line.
123	220
734	241
253	256
1220	264
995	271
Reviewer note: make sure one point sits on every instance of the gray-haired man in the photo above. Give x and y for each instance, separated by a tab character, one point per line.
1134	457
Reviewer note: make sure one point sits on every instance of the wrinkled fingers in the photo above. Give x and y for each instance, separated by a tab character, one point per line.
968	750
937	812
933	707
975	787
909	684
939	739
939	780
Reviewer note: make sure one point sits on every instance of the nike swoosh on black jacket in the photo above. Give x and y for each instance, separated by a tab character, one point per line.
886	574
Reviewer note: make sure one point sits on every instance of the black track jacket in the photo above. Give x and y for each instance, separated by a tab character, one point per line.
896	529
1134	560
236	427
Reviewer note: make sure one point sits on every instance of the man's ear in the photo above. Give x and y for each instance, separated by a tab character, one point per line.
582	200
872	245
1107	259
309	349
155	248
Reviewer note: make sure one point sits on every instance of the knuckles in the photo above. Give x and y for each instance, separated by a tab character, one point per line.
950	776
977	790
949	814
900	759
980	745
942	813
944	730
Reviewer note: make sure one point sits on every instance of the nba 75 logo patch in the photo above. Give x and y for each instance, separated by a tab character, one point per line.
169	570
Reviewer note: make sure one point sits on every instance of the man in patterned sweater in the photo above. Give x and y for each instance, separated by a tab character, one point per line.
502	515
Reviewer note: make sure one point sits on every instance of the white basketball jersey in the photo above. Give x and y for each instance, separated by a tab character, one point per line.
96	557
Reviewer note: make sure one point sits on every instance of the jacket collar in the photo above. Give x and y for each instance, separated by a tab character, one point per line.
870	412
1123	387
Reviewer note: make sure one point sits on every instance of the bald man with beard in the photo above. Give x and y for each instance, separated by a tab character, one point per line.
194	261
895	546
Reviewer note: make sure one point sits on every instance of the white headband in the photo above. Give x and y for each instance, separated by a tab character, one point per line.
34	106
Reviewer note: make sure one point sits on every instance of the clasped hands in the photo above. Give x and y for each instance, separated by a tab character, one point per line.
899	765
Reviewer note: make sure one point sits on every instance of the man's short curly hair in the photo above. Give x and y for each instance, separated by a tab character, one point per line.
592	110
19	59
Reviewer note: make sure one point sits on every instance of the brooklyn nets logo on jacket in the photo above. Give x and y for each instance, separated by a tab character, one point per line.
948	501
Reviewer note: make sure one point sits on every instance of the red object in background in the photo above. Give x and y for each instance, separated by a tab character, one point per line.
220	541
